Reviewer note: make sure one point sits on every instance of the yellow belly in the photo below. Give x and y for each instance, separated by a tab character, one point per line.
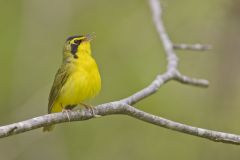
79	87
82	84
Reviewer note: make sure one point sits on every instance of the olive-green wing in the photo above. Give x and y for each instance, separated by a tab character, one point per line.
59	81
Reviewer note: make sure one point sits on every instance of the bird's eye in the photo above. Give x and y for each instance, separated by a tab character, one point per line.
77	41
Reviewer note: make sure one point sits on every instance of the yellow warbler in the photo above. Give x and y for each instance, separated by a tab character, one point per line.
78	77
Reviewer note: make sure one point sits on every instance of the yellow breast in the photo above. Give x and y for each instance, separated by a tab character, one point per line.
83	83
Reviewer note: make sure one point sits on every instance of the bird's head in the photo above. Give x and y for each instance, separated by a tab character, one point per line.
77	45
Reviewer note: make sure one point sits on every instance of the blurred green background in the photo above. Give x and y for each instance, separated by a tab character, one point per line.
129	55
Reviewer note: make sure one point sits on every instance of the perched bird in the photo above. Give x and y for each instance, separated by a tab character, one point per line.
78	77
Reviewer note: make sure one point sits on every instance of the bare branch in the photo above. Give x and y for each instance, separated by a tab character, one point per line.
117	108
124	106
167	44
191	81
149	90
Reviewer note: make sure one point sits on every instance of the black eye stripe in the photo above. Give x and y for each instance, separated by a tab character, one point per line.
74	48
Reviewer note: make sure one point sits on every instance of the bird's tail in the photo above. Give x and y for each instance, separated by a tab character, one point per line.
48	128
56	107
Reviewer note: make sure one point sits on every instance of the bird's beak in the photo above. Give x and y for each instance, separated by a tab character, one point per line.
90	36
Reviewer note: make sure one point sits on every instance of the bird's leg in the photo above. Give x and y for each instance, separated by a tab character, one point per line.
67	109
89	107
70	107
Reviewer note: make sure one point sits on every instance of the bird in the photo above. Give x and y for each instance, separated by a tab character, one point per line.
78	78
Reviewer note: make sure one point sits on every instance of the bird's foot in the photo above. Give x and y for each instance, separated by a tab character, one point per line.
89	107
64	110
